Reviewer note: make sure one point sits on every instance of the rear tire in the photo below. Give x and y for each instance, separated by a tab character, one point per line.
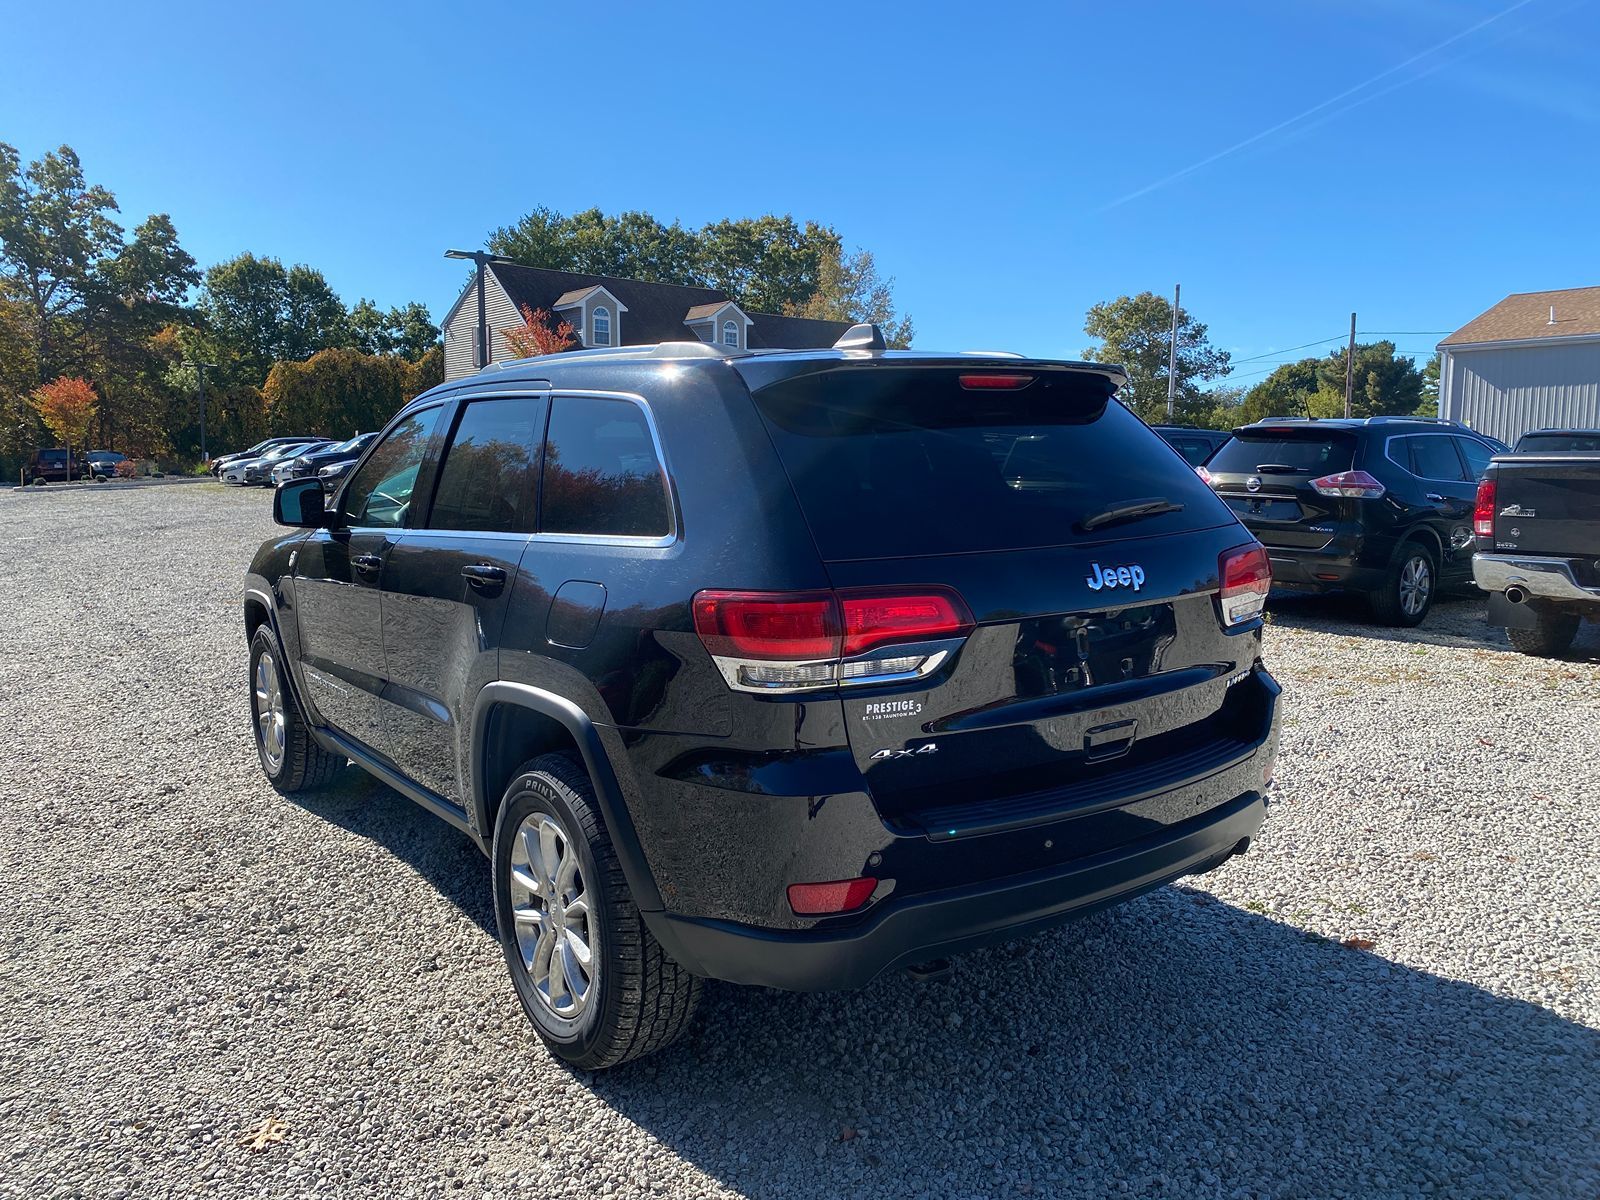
1406	596
292	760
593	980
1553	635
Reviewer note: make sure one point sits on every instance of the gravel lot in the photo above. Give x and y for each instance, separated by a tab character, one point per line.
208	989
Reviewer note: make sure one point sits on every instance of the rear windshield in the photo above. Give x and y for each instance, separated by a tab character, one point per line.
1287	451
1559	443
895	462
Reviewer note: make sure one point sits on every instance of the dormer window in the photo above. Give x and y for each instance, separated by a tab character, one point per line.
730	334
600	322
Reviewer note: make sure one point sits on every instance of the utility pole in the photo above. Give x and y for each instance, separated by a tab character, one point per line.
1172	353
200	373
1350	367
481	258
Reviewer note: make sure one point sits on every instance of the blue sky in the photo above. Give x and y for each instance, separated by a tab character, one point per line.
1413	160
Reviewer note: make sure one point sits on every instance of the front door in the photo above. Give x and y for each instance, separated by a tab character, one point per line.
445	586
338	577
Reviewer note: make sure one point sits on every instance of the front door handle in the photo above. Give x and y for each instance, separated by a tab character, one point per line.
484	575
366	563
1435	497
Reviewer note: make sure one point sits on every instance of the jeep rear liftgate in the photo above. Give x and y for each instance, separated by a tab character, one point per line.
1088	666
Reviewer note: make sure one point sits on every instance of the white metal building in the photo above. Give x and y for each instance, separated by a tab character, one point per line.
1530	362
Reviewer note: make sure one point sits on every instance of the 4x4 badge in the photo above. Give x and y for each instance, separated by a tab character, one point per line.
930	748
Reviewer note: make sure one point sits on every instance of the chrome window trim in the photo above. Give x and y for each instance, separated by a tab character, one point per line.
613	539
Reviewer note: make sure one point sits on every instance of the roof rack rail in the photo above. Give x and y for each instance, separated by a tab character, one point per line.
1418	420
695	349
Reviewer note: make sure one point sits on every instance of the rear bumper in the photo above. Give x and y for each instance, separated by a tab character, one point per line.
1330	567
1542	578
959	919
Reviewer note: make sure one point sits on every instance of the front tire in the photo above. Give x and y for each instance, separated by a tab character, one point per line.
1553	635
1406	596
594	982
292	760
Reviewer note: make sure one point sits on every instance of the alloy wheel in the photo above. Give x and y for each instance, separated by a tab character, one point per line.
555	924
1416	584
271	720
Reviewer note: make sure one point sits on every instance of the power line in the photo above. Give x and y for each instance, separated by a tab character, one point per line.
1287	349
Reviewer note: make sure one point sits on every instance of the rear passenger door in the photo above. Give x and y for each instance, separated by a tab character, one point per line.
604	566
447	582
1436	461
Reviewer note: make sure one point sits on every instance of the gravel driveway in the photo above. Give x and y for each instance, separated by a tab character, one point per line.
207	989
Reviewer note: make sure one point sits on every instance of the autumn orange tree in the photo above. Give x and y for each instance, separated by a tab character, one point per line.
66	405
535	336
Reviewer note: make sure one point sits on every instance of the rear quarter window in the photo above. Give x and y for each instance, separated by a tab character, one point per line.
896	462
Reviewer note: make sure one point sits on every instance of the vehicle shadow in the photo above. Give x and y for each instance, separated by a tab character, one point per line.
1256	1060
1456	622
441	854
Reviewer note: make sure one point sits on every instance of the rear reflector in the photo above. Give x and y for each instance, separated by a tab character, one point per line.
1246	575
995	383
1356	484
1483	509
792	640
843	895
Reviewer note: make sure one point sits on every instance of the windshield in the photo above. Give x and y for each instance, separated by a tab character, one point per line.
1308	451
897	462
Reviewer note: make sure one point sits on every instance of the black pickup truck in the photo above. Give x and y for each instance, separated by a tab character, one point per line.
1537	528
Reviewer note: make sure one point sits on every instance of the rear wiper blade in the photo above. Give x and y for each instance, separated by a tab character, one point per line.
1276	469
1131	510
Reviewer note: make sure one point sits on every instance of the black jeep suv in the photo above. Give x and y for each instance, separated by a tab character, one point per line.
783	668
1379	504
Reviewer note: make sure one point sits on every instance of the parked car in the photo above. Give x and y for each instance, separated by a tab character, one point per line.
1537	523
102	464
256	470
795	667
311	462
1196	445
219	465
331	474
57	465
1382	505
1559	441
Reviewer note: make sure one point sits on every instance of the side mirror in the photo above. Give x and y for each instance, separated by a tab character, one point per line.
299	503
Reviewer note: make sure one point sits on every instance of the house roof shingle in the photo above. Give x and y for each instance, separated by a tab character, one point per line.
657	311
1526	315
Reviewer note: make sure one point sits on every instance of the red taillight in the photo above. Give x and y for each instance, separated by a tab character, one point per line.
1205	475
840	896
769	625
1483	511
873	620
1246	576
751	634
1356	484
995	383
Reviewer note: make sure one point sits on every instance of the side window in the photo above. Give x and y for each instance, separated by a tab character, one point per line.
1476	454
488	480
1435	458
601	473
379	494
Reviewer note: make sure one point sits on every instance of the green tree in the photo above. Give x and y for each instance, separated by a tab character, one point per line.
849	288
1384	384
56	235
261	311
631	245
1136	331
334	393
1429	404
766	263
408	332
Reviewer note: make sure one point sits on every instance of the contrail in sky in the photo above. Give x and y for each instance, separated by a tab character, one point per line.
1315	108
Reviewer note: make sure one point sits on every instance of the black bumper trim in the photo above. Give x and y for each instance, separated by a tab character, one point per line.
961	919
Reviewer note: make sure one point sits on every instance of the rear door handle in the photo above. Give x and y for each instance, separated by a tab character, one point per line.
366	563
484	575
1435	497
